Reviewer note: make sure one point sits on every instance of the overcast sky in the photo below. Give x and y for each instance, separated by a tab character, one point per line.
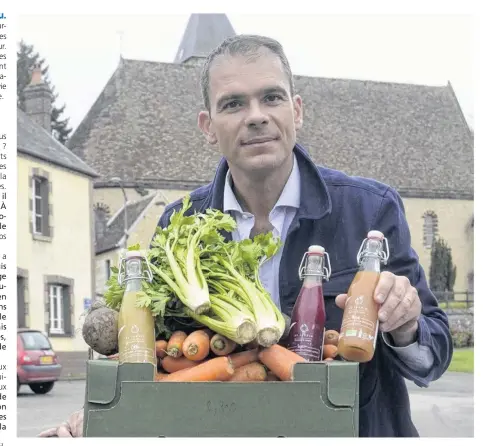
83	51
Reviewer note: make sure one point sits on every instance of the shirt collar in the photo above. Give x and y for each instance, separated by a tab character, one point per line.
315	199
289	197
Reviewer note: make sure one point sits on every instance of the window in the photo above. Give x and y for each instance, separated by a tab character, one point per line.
40	206
56	309
37	210
59	303
430	228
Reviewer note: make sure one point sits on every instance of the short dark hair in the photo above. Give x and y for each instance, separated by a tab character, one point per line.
243	44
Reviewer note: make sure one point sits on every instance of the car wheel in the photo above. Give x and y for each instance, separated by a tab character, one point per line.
42	388
18	385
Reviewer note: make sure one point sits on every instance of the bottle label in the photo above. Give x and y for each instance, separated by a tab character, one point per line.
134	345
306	340
360	318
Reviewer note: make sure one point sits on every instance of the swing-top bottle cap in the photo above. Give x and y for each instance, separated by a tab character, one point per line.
378	235
316	249
131	254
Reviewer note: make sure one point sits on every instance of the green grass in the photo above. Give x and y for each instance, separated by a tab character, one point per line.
455	305
463	360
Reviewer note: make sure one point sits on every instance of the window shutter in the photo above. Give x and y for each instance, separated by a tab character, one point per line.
21	302
66	304
45	208
47	309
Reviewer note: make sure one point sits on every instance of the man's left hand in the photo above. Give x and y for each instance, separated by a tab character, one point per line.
400	307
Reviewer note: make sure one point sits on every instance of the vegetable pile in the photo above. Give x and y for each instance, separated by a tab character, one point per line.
207	356
232	330
204	355
216	359
203	280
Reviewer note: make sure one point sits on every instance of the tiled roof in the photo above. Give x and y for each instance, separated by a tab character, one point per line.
115	229
35	141
143	127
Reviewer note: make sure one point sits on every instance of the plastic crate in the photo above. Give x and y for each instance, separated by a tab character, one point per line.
123	401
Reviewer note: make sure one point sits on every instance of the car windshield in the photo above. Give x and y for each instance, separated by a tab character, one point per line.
35	341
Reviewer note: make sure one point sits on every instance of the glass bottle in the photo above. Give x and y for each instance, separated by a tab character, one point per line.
307	328
360	321
136	333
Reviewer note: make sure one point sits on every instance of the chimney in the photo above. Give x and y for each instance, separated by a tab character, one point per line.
101	217
38	100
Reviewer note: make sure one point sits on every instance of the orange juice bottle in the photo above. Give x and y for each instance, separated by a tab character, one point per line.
136	327
360	321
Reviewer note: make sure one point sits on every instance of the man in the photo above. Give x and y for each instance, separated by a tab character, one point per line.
269	183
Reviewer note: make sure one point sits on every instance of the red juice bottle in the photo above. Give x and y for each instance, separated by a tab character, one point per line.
307	328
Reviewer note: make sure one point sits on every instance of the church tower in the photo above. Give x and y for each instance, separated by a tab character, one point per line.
203	34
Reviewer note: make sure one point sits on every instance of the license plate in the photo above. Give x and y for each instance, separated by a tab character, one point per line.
46	360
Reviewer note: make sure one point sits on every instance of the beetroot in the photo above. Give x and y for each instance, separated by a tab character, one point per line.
100	329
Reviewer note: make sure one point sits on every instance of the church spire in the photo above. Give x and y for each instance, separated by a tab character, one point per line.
203	34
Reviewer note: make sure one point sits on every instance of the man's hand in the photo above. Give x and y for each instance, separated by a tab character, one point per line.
70	428
400	307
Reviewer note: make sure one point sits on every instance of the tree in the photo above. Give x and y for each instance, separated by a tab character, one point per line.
442	273
27	58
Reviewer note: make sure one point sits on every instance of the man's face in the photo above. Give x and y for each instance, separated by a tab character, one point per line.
253	116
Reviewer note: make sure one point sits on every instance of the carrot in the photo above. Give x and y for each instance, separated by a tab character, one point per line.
221	346
197	345
217	369
250	372
331	337
329	351
172	365
242	358
175	344
161	348
280	361
160	376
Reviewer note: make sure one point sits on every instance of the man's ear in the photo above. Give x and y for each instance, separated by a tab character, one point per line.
298	112
204	123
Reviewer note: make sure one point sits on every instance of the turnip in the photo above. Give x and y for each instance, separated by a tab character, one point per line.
100	329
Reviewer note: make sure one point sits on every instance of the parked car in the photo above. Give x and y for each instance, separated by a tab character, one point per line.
37	364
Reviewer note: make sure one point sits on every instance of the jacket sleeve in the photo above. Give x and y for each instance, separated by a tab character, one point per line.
433	332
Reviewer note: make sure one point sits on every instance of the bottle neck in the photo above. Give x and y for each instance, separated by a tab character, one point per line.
133	280
314	271
371	256
370	263
133	284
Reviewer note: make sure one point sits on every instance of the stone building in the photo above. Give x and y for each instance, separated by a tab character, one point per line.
142	128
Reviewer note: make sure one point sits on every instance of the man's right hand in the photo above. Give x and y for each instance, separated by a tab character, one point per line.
70	428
